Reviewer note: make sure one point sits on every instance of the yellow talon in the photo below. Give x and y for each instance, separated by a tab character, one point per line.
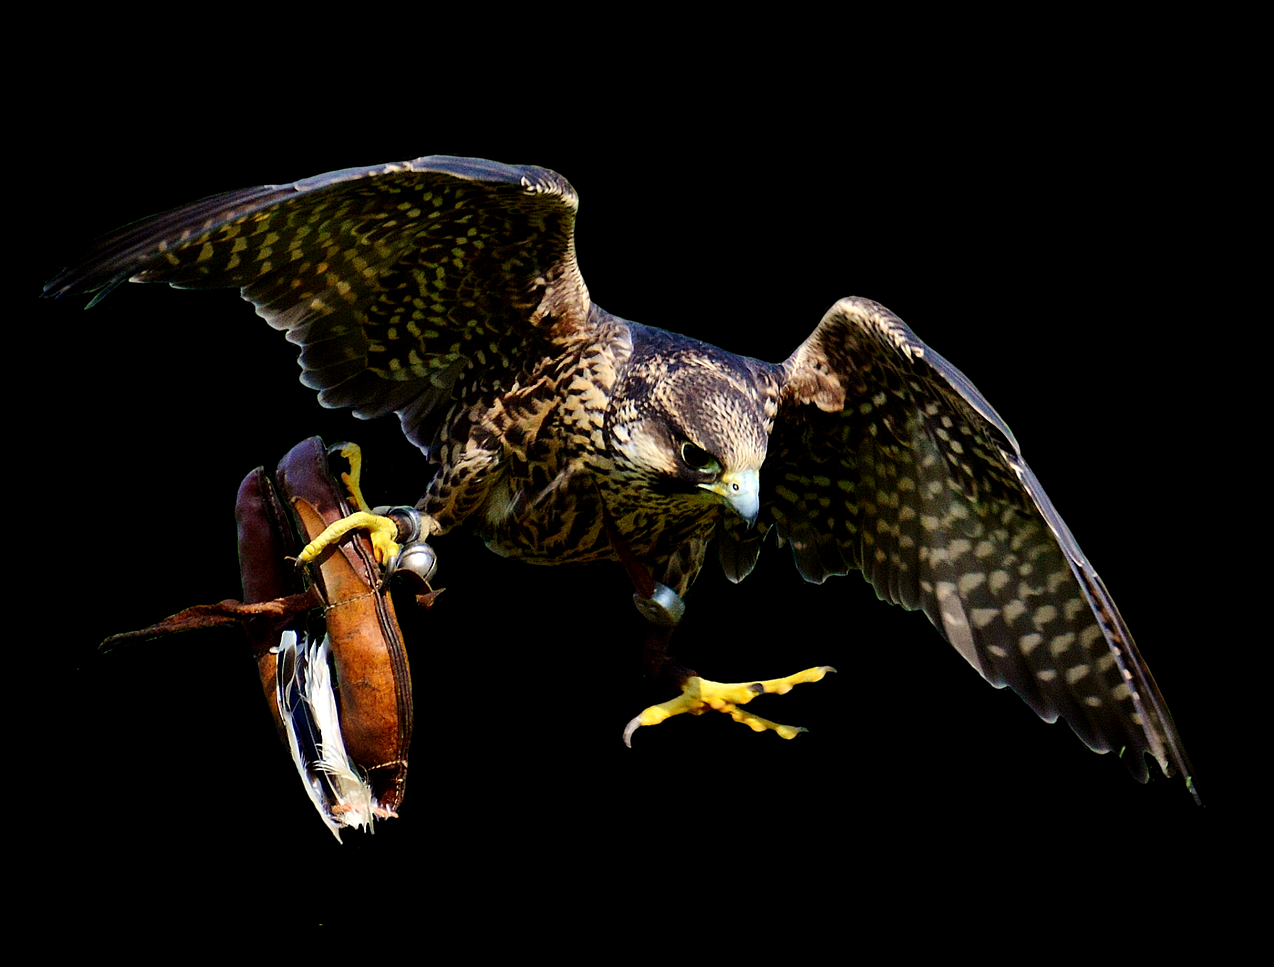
354	454
383	532
699	694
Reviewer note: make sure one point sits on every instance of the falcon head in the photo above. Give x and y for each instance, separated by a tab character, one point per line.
689	422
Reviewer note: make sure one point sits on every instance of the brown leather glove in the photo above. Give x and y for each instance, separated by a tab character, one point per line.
339	605
366	644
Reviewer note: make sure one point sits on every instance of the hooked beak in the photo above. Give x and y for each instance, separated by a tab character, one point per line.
741	490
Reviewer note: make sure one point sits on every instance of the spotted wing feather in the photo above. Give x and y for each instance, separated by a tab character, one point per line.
886	459
400	283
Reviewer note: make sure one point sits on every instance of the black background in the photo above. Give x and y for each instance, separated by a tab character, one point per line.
1049	240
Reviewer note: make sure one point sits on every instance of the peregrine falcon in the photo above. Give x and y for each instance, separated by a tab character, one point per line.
446	290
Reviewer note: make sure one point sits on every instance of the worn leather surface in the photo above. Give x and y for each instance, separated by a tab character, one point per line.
276	517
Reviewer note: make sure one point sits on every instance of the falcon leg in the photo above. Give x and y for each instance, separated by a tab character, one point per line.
383	530
663	608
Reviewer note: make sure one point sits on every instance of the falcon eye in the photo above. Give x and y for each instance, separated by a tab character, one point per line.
696	458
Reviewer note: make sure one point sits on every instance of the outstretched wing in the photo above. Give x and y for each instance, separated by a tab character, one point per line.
886	459
399	282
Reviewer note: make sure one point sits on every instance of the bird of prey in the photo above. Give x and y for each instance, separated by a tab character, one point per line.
446	290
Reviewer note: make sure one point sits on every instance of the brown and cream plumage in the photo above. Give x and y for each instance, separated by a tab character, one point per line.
446	290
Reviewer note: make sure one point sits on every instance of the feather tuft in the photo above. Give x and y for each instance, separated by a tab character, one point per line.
307	704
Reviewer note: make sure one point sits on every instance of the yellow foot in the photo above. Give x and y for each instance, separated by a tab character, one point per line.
698	695
383	532
354	455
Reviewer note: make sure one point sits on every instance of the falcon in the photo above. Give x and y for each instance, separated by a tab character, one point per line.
446	290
